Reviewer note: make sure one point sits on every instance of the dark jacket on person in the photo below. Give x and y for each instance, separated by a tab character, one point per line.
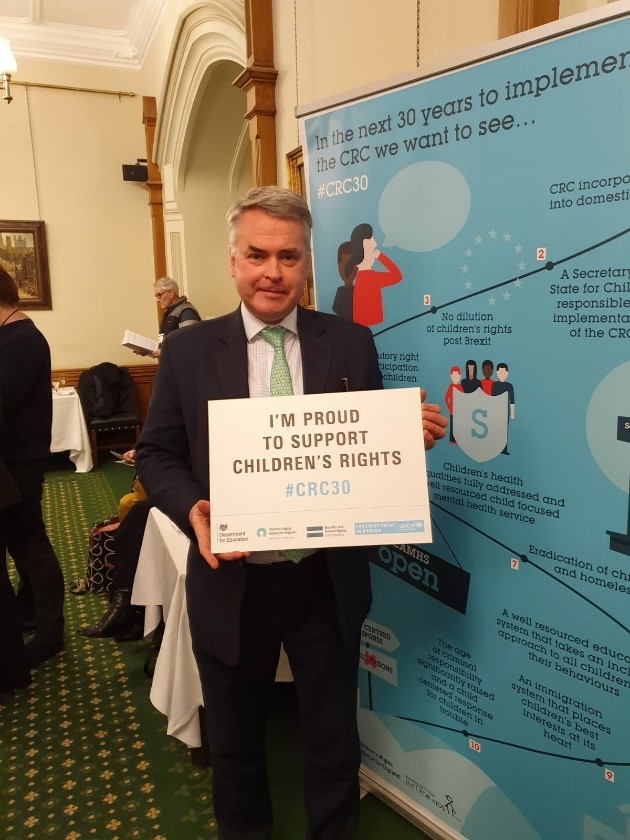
25	391
210	362
180	311
9	493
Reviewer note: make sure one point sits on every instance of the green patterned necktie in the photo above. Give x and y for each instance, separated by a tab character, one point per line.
280	385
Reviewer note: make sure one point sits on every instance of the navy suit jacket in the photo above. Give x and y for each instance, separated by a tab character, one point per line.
208	361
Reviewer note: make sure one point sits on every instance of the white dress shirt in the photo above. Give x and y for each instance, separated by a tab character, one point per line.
259	360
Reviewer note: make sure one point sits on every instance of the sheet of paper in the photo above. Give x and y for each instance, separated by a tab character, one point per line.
139	343
120	460
318	470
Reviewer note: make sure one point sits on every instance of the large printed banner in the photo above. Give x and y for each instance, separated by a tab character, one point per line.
478	222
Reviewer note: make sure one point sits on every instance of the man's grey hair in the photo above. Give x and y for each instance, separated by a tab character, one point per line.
166	283
284	204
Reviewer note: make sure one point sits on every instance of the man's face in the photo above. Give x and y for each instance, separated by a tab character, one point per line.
502	374
269	264
487	371
165	299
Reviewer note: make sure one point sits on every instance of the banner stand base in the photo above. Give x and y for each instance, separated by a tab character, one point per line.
411	811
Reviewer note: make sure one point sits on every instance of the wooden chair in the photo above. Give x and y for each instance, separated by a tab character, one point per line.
110	405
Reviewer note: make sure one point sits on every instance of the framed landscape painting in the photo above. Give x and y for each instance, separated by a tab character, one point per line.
23	253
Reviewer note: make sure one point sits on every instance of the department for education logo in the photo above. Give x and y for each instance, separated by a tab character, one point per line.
223	526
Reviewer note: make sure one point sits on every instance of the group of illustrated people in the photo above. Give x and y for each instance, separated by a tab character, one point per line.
471	383
242	606
360	298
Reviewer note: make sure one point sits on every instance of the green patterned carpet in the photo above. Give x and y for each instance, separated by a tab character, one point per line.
83	753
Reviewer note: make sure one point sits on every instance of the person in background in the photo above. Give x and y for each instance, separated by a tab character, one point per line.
243	606
14	671
26	394
136	494
122	620
177	310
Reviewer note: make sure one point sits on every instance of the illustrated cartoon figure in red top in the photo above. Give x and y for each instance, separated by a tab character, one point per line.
367	304
456	377
487	368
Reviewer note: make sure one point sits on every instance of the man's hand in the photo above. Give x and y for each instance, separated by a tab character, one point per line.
199	518
433	423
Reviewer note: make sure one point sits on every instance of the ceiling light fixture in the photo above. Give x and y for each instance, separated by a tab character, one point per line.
8	66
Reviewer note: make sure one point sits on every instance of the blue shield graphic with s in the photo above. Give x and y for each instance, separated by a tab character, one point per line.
480	423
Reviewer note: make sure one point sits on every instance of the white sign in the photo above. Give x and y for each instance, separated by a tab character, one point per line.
377	635
317	470
378	664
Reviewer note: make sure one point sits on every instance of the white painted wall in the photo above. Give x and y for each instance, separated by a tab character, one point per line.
207	191
356	43
99	232
97	225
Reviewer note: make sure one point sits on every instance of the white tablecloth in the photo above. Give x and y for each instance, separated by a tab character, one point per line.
69	432
159	585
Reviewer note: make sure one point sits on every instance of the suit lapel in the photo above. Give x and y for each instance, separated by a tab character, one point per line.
231	358
316	350
231	355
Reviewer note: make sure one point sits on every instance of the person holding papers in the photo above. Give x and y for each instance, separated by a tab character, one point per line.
177	310
242	606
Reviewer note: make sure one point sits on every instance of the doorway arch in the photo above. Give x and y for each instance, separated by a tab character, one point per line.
203	150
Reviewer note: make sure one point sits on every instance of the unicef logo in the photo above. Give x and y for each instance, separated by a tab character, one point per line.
261	532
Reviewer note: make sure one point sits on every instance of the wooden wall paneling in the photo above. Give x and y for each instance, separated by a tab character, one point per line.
258	81
143	376
519	15
545	11
154	188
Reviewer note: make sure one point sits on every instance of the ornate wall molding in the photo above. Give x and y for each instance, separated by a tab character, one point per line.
211	33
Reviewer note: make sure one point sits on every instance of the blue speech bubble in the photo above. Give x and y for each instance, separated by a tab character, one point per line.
424	206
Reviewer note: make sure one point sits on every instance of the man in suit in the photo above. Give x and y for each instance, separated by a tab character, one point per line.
243	606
